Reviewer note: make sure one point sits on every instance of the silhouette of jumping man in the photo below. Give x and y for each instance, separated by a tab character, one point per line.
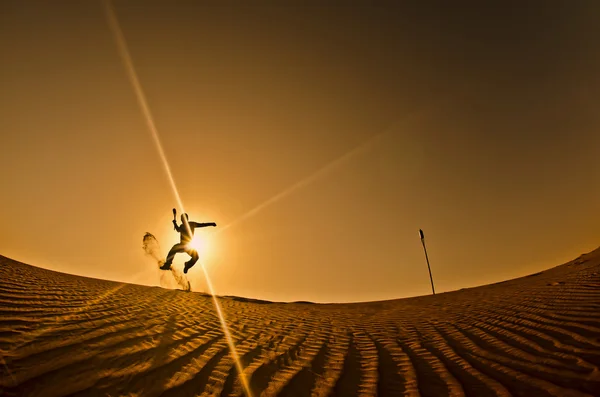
186	233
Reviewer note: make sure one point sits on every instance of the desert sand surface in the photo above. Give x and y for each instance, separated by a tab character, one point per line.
538	335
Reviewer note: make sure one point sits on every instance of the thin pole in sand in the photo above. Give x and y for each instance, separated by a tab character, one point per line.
427	259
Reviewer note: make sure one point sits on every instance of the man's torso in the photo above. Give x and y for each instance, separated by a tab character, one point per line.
184	236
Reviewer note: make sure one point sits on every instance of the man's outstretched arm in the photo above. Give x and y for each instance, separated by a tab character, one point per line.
196	224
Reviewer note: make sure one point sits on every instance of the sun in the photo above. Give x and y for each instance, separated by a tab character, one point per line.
200	244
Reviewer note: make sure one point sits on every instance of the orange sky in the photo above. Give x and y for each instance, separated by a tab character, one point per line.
479	126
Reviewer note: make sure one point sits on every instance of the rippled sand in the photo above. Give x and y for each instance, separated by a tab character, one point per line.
67	335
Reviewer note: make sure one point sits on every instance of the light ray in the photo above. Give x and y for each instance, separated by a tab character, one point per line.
236	359
126	57
140	95
363	147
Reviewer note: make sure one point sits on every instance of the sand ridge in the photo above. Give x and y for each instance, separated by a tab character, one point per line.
68	335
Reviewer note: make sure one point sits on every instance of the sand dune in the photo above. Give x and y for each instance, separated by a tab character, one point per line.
68	335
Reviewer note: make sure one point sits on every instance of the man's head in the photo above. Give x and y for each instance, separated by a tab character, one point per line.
184	218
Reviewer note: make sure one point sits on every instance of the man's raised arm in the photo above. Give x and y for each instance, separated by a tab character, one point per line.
196	224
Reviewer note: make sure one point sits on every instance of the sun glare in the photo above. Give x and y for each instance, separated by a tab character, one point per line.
200	244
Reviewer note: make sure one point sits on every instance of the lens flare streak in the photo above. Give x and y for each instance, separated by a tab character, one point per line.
332	165
126	57
140	95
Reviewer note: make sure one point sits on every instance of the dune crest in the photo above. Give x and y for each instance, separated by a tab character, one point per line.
68	335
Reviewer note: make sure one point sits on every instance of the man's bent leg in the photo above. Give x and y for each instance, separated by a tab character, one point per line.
177	248
194	254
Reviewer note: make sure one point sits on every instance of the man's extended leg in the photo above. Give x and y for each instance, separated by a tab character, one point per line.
194	254
177	248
